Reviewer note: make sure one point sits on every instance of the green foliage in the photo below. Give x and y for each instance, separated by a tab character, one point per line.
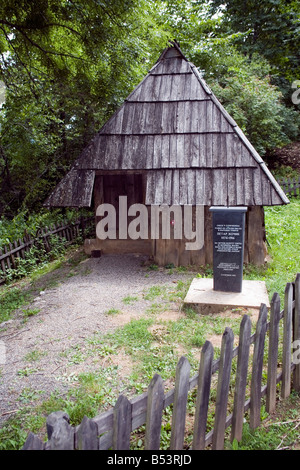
256	105
283	236
37	256
248	55
26	223
281	433
11	299
66	68
270	27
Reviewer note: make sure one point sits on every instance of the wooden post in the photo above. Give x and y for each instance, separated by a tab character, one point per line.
87	435
6	251
255	394
204	381
33	442
122	424
22	250
273	353
60	433
180	402
16	246
287	341
2	263
296	335
256	247
223	389
155	405
241	379
12	257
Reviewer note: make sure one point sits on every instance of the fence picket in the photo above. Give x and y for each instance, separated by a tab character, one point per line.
87	435
296	331
287	340
60	433
204	381
33	442
258	355
155	404
291	186
223	389
15	247
3	267
273	353
12	257
241	379
7	252
180	402
122	424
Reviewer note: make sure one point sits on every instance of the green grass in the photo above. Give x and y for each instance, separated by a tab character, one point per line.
280	433
129	299
283	235
11	299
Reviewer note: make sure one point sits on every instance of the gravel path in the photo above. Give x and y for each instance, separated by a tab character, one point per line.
68	314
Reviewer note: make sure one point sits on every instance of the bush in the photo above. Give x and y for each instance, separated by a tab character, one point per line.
36	256
23	223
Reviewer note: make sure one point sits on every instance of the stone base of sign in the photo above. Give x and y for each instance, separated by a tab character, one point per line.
204	299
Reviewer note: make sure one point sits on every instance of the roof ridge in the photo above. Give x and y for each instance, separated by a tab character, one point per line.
173	44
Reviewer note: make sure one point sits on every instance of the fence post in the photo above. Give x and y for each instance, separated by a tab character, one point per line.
87	435
180	401
273	353
6	251
287	341
204	381
258	356
2	264
155	404
241	379
223	389
60	433
122	424
296	335
33	442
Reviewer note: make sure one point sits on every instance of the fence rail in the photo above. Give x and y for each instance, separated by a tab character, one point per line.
291	186
18	248
116	425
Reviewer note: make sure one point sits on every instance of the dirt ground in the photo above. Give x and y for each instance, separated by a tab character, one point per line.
74	307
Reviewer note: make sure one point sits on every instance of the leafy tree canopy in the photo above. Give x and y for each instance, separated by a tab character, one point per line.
66	65
271	28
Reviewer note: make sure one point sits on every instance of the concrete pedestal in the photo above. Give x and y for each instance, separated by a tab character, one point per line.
204	299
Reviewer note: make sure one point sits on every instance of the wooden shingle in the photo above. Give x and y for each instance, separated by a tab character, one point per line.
174	129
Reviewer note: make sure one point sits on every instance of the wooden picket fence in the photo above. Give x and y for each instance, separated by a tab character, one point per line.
112	429
18	248
291	186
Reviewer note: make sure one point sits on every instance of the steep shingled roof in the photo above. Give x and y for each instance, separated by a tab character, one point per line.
173	127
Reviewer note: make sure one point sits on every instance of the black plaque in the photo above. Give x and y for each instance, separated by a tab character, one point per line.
228	248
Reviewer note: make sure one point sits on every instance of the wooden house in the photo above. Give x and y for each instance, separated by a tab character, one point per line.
171	143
